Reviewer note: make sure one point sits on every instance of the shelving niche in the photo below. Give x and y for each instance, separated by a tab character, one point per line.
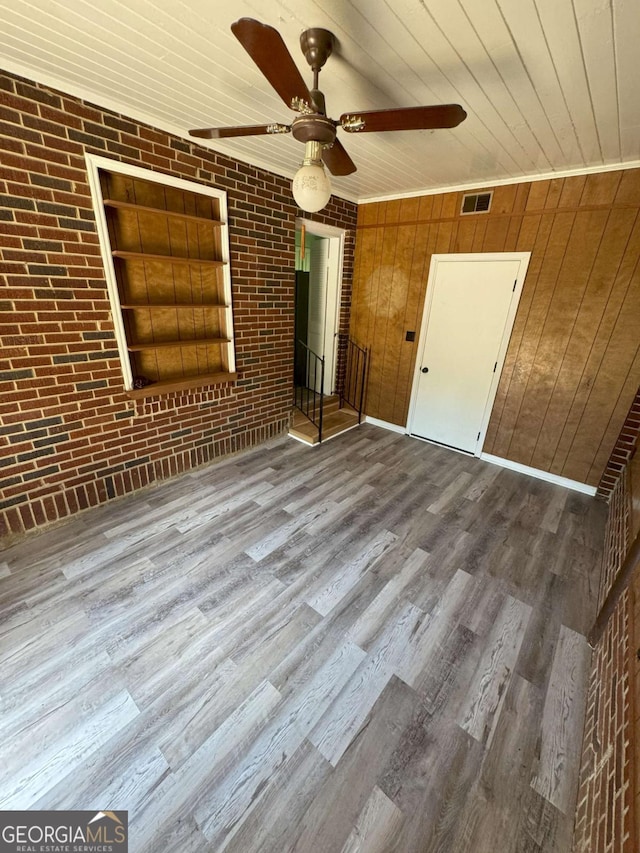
166	248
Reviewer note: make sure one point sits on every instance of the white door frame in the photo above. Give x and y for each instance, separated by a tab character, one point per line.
334	293
480	257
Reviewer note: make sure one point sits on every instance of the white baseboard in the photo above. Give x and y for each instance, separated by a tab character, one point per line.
301	440
498	460
541	475
385	425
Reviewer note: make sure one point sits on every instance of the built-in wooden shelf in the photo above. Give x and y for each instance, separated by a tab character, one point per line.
141	208
192	342
145	305
199	381
169	279
174	259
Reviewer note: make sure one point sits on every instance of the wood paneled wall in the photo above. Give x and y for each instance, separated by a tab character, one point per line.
573	364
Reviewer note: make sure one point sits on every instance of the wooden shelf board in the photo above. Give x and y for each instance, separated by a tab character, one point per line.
195	342
173	305
140	208
166	386
174	259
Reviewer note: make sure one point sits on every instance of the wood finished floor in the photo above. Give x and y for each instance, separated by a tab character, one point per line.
373	645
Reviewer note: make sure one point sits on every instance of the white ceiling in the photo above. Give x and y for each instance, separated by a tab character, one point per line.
550	86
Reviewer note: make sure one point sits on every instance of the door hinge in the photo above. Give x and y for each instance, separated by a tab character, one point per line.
514	286
478	438
495	366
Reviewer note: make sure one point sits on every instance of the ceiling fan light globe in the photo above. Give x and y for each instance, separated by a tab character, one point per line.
311	187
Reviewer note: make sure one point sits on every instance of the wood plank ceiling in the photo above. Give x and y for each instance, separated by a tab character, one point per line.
548	85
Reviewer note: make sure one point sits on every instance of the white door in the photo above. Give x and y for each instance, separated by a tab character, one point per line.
469	311
332	309
324	292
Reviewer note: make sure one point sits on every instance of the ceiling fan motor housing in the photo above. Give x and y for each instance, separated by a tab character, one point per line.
314	128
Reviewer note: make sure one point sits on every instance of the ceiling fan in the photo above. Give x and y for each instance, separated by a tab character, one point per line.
312	126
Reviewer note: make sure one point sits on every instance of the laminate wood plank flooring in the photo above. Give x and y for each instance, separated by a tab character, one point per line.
373	645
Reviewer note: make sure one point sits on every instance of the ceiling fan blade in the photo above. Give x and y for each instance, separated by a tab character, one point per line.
337	160
246	130
265	46
410	118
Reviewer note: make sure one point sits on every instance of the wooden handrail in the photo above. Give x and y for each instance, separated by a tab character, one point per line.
622	581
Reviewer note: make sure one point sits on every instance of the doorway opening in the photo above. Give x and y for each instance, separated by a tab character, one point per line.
319	258
329	368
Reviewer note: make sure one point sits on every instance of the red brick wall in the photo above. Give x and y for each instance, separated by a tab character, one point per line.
603	815
70	438
608	800
621	453
633	769
617	535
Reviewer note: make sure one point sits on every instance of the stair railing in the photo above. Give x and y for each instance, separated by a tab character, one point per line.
309	382
354	360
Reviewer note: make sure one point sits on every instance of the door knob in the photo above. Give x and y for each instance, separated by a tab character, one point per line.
425	369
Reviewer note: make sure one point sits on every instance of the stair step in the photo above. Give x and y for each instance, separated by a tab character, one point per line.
333	423
339	425
330	404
